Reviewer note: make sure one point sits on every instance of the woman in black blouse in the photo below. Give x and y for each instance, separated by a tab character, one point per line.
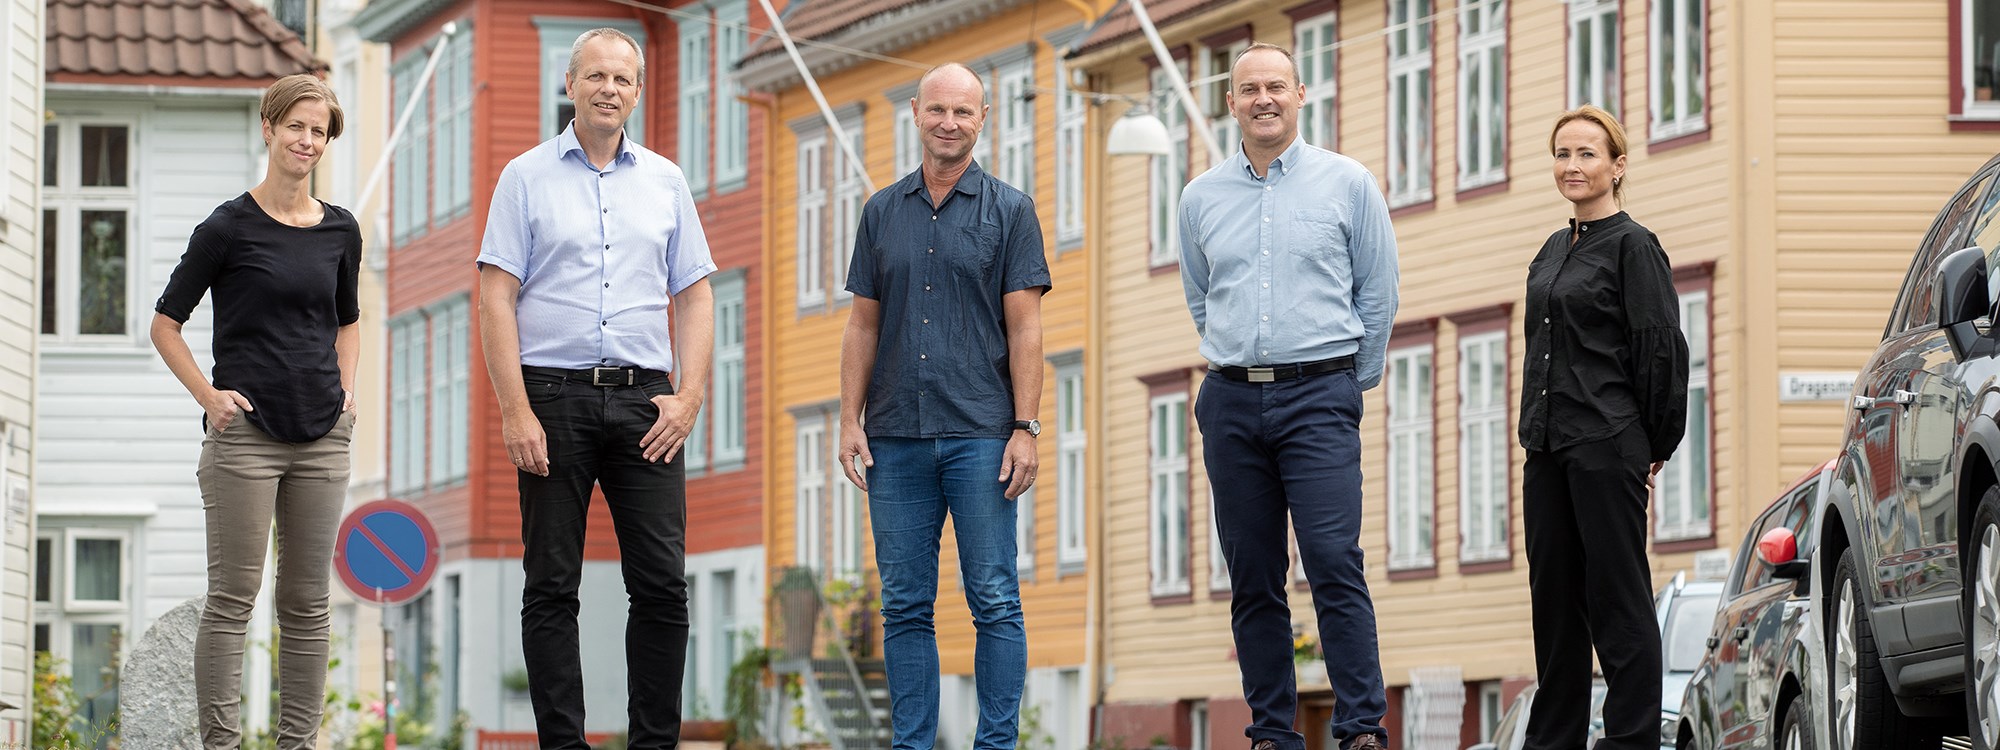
1603	404
282	268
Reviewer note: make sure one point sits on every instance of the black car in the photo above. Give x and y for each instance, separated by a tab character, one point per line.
1764	662
1913	528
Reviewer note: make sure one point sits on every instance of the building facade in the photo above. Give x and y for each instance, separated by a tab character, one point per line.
20	347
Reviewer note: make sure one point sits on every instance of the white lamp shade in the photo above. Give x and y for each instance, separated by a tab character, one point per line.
1138	133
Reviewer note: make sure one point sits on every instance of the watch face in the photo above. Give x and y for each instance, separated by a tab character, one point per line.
1035	427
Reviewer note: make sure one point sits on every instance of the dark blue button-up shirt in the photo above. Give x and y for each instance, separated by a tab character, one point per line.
941	361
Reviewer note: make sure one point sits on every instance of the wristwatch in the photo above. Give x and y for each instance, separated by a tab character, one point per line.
1033	426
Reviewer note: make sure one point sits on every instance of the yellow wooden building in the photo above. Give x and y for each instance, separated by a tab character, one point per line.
867	57
1788	154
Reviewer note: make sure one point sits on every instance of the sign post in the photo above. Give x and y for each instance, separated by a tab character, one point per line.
386	552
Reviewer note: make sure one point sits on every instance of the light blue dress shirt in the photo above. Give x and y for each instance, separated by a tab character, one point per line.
599	253
1297	266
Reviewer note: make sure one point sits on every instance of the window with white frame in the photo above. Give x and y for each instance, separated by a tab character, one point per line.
1169	516
1014	113
411	162
982	148
1679	44
451	131
1319	119
812	218
407	397
1216	68
1070	117
729	382
1482	93
693	102
909	147
1593	54
1483	446
450	328
1979	61
1410	105
1683	486
694	450
809	499
558	36
89	203
1169	175
847	528
732	114
850	193
1072	547
83	601
1218	565
1490	709
1411	494
1024	533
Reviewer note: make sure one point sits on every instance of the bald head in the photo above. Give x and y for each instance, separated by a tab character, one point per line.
954	75
950	110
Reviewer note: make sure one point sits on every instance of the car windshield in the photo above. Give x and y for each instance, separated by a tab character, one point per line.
1686	634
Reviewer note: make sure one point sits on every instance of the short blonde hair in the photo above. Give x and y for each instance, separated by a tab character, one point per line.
282	96
1613	132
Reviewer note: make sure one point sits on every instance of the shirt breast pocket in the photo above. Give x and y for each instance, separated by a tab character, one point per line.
1318	238
978	249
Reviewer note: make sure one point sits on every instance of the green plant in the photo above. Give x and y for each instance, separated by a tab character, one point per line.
1305	647
851	604
1158	741
515	680
743	696
1033	736
55	704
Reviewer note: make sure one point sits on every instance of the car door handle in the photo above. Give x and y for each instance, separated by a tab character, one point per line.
1905	397
1863	403
1742	633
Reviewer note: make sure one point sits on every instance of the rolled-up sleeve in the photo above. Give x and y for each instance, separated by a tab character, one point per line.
1372	251
196	272
688	258
1656	350
508	240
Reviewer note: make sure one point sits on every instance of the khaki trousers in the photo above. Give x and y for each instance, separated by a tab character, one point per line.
248	481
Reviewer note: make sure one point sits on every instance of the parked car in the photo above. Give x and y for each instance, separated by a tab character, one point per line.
1512	730
1684	608
1913	527
1763	664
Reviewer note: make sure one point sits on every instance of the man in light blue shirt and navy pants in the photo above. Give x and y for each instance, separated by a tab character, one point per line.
589	238
1289	264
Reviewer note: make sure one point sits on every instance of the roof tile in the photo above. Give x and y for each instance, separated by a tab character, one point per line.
231	40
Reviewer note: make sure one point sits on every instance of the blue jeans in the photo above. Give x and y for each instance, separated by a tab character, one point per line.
1293	448
913	484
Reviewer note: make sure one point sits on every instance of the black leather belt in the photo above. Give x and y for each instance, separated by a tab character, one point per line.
602	377
1274	373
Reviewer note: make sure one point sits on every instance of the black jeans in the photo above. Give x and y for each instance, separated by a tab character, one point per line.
1293	448
1590	583
593	438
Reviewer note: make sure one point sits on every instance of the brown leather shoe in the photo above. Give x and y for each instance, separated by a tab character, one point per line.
1366	742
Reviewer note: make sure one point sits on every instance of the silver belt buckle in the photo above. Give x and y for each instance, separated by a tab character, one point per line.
597	376
1261	374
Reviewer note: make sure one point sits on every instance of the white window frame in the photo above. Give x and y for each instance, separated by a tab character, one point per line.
68	199
692	99
909	146
412	157
1169	174
1412	481
809	498
449	328
732	114
1071	115
1491	709
558	35
1167	520
1014	121
408	401
1682	514
1216	64
1024	534
1688	81
1594	71
729	382
1484	449
1072	446
847	509
694	450
60	614
1968	64
850	194
1319	75
812	218
1412	151
70	603
1218	566
451	130
1482	93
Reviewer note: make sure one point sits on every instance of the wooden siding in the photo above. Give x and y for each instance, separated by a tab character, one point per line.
20	248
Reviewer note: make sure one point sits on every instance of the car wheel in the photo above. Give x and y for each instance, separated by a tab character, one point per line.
1797	733
1864	713
1982	623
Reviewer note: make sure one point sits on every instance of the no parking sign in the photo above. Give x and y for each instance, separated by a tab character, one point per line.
386	552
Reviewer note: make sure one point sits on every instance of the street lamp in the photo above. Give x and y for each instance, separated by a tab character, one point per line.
1139	132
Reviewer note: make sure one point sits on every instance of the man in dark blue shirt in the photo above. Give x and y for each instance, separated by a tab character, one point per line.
943	356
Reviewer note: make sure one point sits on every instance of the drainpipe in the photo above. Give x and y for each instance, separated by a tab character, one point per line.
1200	118
812	86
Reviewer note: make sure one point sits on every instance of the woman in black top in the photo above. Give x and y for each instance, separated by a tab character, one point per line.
1603	404
282	267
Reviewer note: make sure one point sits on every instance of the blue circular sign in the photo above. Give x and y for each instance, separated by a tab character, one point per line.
386	552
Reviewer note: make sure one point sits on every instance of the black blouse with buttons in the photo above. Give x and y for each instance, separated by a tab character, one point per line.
1605	346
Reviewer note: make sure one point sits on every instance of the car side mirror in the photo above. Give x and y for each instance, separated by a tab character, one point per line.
1779	548
1961	287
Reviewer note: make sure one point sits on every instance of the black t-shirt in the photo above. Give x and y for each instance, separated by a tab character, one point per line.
281	294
